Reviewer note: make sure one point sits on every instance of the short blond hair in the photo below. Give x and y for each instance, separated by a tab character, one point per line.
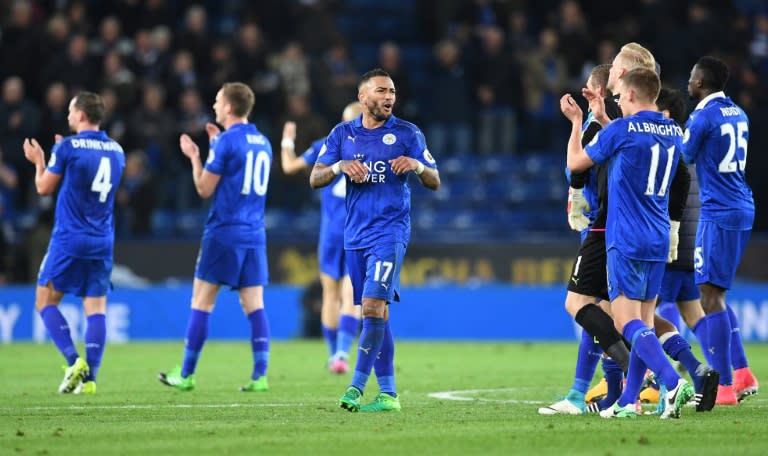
634	55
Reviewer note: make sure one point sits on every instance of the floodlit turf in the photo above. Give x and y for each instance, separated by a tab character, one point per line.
501	384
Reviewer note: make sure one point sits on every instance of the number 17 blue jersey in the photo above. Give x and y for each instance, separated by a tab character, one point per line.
642	152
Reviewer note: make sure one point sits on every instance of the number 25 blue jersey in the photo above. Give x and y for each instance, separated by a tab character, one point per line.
91	164
716	137
642	152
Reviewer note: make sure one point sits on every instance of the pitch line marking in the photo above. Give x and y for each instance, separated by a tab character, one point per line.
471	395
145	406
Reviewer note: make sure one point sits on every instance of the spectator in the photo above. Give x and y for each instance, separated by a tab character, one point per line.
498	89
336	79
390	60
19	119
136	198
20	41
119	78
293	68
449	130
54	116
151	129
74	68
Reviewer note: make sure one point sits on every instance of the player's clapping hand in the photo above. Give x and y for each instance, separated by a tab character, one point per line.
570	108
32	150
355	169
596	102
403	164
212	130
289	130
188	147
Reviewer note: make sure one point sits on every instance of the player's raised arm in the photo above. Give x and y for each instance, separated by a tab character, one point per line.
577	160
45	182
205	182
290	163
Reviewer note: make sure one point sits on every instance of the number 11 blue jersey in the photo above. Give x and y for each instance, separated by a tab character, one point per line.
642	152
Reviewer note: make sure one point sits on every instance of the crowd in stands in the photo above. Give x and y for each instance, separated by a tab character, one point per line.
481	77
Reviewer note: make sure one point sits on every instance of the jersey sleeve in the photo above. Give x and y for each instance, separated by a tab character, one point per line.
602	146
330	152
418	149
695	132
59	157
217	156
310	155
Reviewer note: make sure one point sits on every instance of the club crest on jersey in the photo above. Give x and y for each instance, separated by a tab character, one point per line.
389	139
428	157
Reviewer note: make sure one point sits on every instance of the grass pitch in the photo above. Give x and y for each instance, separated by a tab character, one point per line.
458	398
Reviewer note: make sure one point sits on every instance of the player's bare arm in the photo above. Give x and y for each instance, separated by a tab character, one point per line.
45	182
429	177
323	175
578	160
205	182
290	163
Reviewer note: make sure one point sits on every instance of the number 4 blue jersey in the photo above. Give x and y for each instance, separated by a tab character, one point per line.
91	164
716	137
642	152
332	204
378	209
242	157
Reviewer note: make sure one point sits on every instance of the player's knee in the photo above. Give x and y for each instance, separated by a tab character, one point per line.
373	308
712	299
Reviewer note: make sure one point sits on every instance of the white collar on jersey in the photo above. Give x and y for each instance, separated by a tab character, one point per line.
709	98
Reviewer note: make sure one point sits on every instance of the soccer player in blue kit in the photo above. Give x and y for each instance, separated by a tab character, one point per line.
339	323
376	152
89	166
641	150
716	138
233	247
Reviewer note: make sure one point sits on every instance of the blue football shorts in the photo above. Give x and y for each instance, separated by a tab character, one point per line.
634	279
237	267
78	276
330	257
717	254
375	271
678	285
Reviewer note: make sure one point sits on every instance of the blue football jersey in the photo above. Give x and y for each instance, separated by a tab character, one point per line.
642	152
91	165
378	210
333	209
716	137
242	156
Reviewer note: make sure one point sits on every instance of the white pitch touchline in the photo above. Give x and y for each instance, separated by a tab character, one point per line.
143	406
468	395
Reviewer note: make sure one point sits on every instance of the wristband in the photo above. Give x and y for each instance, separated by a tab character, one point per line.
336	168
419	169
287	143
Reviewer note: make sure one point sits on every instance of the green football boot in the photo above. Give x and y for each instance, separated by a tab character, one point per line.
74	375
258	385
383	402
350	401
175	380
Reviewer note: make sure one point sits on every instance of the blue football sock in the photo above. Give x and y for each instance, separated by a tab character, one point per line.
669	311
197	332
719	344
635	377
369	346
649	350
259	342
680	350
331	336
384	366
95	339
347	332
613	377
586	364
738	357
58	329
700	331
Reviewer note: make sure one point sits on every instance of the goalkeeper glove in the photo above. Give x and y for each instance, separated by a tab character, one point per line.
674	240
577	205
